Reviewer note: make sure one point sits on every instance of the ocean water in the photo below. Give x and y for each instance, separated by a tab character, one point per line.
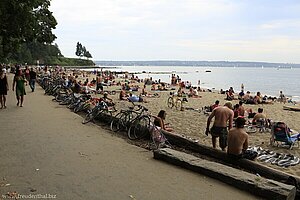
269	81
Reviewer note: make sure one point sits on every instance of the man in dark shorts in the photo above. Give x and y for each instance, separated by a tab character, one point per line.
222	115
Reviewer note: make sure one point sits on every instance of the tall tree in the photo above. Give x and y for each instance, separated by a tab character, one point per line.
78	49
83	51
22	22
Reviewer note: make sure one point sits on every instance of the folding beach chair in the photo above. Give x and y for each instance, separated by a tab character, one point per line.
280	134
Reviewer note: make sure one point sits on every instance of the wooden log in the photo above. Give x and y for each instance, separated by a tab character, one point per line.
248	165
259	186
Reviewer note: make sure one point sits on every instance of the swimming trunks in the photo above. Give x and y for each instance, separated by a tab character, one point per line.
220	132
248	154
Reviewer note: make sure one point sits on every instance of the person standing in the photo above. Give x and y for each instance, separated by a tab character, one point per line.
27	73
222	115
19	81
99	84
3	88
32	79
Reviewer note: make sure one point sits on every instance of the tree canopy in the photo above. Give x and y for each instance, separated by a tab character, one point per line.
23	22
81	51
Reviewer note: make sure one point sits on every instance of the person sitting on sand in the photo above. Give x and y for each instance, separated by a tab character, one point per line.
236	111
153	86
229	95
282	98
144	92
241	109
246	97
257	99
193	93
217	104
160	121
107	100
259	116
238	141
123	95
222	115
134	98
241	95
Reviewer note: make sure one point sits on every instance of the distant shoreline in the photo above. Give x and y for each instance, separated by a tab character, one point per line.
198	64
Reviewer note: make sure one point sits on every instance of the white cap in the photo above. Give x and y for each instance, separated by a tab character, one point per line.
4	71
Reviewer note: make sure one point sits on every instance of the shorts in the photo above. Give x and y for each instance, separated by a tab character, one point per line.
220	132
248	154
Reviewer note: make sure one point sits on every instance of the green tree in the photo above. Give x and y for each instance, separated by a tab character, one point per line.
22	22
87	55
79	52
83	51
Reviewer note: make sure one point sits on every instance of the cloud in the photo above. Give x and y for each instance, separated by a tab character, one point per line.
178	29
281	24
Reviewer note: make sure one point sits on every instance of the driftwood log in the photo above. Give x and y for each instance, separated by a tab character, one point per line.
248	165
267	188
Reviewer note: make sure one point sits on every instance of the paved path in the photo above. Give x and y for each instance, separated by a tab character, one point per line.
44	149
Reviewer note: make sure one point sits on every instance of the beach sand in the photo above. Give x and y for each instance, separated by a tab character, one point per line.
191	123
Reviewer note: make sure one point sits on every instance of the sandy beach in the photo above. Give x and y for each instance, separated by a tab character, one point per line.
191	123
46	150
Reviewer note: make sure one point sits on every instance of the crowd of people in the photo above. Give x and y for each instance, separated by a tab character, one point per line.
21	78
235	139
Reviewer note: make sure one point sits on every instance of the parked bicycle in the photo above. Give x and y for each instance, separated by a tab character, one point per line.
101	110
175	101
125	118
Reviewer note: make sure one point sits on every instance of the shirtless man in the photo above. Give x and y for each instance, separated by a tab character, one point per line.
259	116
237	138
222	115
241	109
238	142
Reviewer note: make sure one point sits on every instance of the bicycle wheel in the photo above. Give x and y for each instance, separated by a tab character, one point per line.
178	104
65	101
118	123
79	107
72	105
170	102
105	116
90	116
140	128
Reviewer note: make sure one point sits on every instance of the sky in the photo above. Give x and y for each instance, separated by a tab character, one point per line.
213	30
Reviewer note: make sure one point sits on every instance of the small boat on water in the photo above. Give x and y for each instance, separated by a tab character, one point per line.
207	70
